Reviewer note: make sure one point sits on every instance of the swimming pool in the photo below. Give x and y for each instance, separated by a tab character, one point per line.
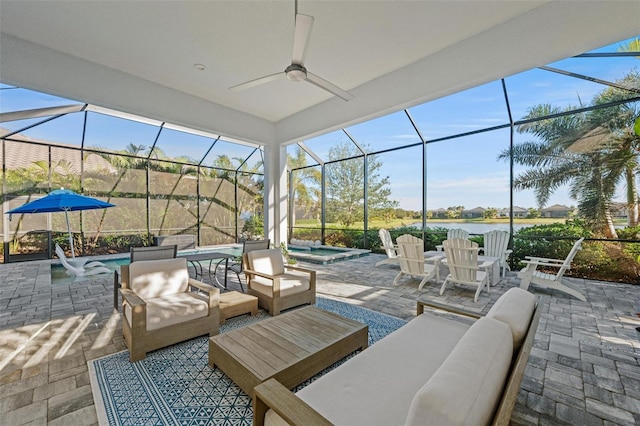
324	255
59	273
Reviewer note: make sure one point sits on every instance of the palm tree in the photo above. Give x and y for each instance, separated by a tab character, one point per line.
304	186
594	152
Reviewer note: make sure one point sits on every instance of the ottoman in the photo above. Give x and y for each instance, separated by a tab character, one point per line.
234	303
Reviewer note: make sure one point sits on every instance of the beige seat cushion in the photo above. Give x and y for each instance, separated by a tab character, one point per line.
172	309
268	262
377	385
514	308
292	282
155	278
466	388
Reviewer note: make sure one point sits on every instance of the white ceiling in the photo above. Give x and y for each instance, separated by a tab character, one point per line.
139	56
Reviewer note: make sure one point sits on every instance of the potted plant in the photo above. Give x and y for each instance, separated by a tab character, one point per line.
285	254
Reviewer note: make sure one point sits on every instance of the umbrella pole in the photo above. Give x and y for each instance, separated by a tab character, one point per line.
66	215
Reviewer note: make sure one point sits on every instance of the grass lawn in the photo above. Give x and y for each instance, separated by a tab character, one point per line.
395	223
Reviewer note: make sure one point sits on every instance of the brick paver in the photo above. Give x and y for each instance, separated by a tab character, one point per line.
584	367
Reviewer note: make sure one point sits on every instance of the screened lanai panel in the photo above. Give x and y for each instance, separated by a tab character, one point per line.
65	168
20	224
305	203
173	197
531	90
332	146
390	131
217	211
298	157
230	156
110	133
9	127
27	168
254	163
128	218
466	181
617	70
17	99
103	222
559	203
66	129
2	208
481	107
182	146
169	179
173	216
114	175
345	194
250	206
395	188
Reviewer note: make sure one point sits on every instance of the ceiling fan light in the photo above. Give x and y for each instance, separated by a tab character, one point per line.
297	75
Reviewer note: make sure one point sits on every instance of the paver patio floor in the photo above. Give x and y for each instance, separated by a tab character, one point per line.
584	367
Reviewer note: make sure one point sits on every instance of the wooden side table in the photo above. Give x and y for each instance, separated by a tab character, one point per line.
234	303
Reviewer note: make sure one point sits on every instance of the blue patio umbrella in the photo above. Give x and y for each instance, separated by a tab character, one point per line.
61	200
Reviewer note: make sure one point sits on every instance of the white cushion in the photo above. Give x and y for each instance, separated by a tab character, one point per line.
291	282
377	385
515	309
268	262
156	278
466	388
172	309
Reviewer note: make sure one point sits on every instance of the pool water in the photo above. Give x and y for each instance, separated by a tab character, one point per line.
317	251
59	273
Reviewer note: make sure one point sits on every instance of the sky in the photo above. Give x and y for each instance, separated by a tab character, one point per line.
460	172
465	171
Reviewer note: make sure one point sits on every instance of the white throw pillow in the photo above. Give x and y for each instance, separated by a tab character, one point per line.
466	389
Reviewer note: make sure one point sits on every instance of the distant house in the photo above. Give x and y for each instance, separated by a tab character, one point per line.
518	212
619	210
556	210
473	213
439	213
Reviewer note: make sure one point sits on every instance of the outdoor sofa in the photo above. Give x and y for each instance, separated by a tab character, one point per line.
435	370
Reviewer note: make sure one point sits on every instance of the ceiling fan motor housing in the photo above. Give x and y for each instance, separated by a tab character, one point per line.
296	72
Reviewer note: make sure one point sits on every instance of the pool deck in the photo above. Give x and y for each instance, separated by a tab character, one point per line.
584	367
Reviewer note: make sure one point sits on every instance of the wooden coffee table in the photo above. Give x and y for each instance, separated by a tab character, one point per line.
291	347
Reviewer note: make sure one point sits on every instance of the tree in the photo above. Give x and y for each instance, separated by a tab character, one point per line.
592	152
345	182
533	213
490	213
454	212
304	186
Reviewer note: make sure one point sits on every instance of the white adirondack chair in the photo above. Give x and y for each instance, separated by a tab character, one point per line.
530	274
390	248
496	244
412	263
462	260
454	233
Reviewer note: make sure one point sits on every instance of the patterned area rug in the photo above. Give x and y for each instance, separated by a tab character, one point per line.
175	385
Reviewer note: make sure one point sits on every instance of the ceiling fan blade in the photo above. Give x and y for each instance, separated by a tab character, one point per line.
301	38
258	81
329	87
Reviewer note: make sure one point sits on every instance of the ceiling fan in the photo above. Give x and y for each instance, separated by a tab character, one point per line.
297	71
